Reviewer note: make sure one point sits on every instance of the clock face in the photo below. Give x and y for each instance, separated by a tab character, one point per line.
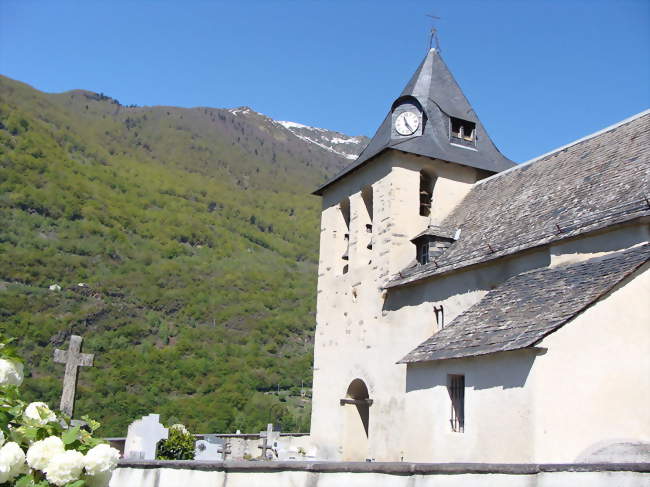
407	123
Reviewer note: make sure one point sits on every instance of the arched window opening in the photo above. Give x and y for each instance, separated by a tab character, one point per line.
427	181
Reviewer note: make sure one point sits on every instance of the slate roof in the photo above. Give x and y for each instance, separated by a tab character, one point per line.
437	231
528	307
593	183
440	96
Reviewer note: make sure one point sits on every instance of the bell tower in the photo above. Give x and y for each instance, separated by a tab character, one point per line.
426	155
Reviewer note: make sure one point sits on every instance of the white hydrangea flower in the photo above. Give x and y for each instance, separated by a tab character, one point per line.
40	413
101	458
11	372
12	461
180	428
41	452
64	467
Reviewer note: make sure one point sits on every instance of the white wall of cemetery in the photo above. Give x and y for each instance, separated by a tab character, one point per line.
174	477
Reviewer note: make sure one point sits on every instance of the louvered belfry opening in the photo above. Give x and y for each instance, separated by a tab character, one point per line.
456	389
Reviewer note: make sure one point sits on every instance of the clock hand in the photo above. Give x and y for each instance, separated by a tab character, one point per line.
406	122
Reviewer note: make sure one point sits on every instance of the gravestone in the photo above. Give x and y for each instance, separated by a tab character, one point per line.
143	437
269	442
211	448
72	358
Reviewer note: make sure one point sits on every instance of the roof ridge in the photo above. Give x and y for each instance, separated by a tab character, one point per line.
566	146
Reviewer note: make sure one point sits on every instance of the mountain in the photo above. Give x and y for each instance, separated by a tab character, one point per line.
185	245
335	142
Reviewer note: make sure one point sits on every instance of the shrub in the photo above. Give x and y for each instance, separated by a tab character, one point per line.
178	446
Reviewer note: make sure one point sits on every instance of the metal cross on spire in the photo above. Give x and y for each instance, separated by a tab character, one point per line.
72	358
433	35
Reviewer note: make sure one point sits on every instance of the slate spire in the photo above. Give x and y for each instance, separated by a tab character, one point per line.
441	101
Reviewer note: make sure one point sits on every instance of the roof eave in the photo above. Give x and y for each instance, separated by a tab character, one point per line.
531	346
437	271
321	189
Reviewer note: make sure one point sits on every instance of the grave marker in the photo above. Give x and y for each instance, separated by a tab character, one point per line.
211	448
269	437
72	358
143	436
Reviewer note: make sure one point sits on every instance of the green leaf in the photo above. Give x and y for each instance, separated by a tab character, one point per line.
25	481
76	483
70	436
30	433
92	424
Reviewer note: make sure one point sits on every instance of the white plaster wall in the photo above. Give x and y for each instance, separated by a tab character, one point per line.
357	335
598	243
593	384
342	329
164	477
498	410
585	385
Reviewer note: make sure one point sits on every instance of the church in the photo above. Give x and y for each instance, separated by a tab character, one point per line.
473	310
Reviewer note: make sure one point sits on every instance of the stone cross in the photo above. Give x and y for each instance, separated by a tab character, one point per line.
224	450
72	358
266	437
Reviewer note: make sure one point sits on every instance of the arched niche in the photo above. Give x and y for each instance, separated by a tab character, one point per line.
356	406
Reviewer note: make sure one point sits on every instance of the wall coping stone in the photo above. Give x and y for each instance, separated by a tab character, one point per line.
391	468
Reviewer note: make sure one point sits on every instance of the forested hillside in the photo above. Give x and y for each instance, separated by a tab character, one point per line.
185	244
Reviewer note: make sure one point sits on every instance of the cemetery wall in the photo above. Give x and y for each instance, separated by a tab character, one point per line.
371	474
288	446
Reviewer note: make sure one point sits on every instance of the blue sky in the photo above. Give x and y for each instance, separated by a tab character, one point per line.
538	73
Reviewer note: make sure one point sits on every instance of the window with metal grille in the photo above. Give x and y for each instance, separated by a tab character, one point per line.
456	390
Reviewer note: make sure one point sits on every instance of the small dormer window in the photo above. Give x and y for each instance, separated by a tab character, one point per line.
423	253
462	132
431	243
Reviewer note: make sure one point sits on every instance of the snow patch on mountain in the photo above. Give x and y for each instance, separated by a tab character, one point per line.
241	110
335	142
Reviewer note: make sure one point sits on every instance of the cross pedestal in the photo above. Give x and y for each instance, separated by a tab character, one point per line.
72	358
